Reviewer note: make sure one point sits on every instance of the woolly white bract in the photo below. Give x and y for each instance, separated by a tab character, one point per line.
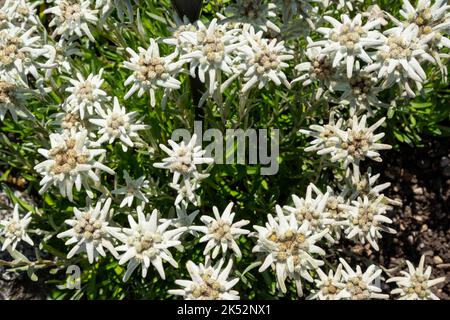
289	248
146	243
70	162
14	230
208	282
415	283
221	232
90	232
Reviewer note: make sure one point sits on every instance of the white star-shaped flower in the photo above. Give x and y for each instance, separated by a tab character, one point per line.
207	282
14	229
91	232
117	124
221	232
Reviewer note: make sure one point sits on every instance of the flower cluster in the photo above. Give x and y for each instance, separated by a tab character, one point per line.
102	92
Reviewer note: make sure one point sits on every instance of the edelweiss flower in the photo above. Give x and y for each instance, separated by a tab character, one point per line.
357	142
318	68
312	210
20	53
61	53
212	52
329	287
359	285
415	284
21	13
208	282
118	124
365	220
72	17
86	95
90	232
151	71
348	40
374	12
183	160
147	242
70	162
263	62
186	191
257	13
132	189
220	232
433	22
14	229
360	92
364	185
397	59
325	140
289	248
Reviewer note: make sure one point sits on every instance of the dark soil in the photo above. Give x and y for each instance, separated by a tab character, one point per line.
420	178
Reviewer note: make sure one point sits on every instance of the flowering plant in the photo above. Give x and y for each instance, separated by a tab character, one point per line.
92	93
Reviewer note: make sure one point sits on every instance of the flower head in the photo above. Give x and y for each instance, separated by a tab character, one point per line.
325	140
212	51
221	232
14	229
256	13
263	62
289	249
207	282
70	162
349	40
178	37
151	71
13	95
90	231
147	242
357	142
360	92
312	209
397	59
118	124
86	95
329	286
72	17
183	160
359	285
21	13
366	218
415	283
21	53
319	68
